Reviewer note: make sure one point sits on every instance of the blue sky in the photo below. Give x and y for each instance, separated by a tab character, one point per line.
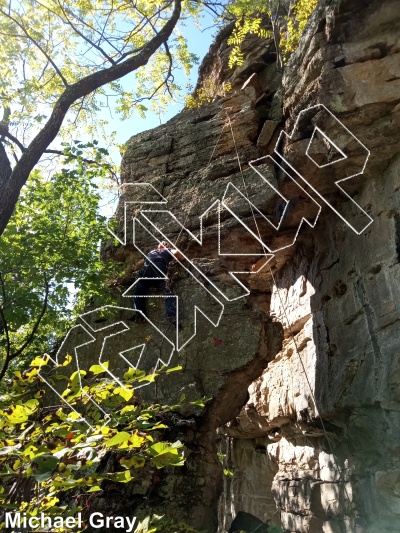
199	41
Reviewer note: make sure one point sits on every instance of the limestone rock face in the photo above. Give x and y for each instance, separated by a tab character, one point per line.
303	373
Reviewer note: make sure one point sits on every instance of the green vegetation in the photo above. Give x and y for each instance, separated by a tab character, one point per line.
284	21
206	93
50	246
281	20
52	52
56	460
60	62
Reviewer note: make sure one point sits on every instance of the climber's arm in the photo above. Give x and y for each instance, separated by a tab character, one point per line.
177	254
139	264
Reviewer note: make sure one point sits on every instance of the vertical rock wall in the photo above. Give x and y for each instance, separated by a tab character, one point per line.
190	160
338	300
314	443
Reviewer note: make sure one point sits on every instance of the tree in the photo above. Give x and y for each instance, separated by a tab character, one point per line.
59	55
50	246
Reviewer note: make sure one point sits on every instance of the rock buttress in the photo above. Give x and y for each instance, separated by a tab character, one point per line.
315	446
323	419
190	160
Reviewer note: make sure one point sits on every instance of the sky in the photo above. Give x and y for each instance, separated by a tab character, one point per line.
199	41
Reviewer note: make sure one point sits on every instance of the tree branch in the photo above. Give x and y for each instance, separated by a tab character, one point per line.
11	189
60	152
6	133
169	73
136	30
22	27
101	33
91	43
168	53
87	161
5	167
29	339
48	151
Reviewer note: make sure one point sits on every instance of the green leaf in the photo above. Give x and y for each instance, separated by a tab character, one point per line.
32	404
123	477
164	454
134	374
40	361
174	369
18	414
99	369
96	488
136	440
124	393
45	464
118	438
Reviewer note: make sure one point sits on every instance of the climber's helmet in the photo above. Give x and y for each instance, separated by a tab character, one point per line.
163	244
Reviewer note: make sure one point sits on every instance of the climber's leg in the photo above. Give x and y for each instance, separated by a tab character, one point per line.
170	301
140	290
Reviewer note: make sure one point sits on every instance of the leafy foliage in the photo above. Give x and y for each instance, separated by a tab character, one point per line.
223	460
46	46
246	23
286	21
52	462
295	24
58	57
50	459
282	20
50	248
206	93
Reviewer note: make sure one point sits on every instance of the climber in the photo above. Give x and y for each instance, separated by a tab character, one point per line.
154	266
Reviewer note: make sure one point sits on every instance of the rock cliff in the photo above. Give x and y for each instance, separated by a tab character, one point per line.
303	374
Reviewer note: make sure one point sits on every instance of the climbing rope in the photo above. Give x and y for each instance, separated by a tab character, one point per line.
191	204
244	184
290	328
272	286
